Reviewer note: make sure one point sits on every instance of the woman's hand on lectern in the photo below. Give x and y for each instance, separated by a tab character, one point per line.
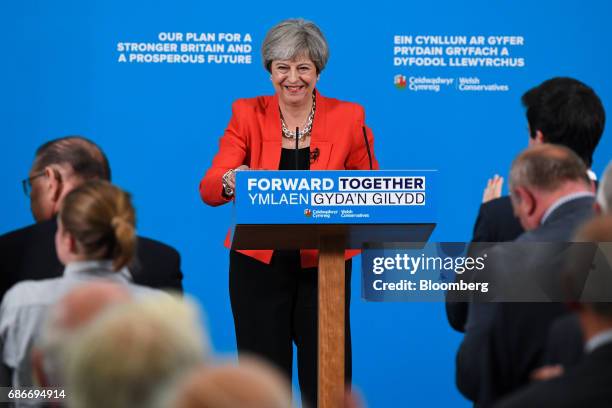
229	180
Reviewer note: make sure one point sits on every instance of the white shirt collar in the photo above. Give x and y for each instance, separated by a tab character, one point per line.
563	200
592	175
103	268
598	340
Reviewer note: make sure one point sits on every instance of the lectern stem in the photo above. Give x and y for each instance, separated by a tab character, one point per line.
331	322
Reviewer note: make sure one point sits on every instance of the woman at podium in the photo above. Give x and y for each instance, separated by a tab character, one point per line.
274	293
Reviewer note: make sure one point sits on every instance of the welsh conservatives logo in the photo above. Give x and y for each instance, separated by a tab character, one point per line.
308	213
400	81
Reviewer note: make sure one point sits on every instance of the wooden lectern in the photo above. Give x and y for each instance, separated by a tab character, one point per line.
331	239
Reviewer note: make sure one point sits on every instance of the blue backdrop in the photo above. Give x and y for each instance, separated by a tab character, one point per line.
159	124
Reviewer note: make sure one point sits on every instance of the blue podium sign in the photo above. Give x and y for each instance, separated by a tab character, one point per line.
335	197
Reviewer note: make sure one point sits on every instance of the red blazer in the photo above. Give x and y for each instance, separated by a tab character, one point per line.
253	137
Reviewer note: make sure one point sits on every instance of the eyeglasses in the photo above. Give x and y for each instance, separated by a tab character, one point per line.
27	183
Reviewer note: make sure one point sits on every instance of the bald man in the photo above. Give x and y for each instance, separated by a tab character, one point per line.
252	384
505	342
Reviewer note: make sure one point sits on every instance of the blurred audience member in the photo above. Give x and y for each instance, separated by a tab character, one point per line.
133	354
352	399
251	384
565	338
60	166
505	342
65	321
95	239
587	384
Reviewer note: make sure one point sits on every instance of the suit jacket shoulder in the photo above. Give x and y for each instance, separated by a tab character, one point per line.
562	223
255	104
565	343
496	222
339	106
514	341
260	104
157	265
28	254
587	385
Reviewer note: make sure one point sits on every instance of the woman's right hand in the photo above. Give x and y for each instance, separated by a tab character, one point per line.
229	178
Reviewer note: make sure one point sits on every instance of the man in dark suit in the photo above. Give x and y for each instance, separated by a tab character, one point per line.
505	342
561	111
565	338
29	253
589	383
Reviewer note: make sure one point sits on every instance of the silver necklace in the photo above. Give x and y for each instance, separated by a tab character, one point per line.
307	127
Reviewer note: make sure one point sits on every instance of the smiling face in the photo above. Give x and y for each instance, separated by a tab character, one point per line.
294	80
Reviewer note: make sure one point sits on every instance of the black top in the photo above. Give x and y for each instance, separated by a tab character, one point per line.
29	254
287	160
